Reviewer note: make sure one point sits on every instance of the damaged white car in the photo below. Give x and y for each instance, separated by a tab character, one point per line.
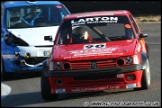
28	30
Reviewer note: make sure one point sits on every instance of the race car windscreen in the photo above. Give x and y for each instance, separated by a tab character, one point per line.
34	16
95	29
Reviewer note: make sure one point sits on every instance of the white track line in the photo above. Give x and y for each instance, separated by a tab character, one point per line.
5	90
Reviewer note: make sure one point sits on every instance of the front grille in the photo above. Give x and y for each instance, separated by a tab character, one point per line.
80	65
106	63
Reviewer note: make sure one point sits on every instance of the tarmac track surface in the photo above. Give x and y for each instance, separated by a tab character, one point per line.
25	89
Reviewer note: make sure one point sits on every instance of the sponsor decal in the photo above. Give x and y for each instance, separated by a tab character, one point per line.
93	51
127	26
59	6
94	20
86	52
60	91
95	88
130	86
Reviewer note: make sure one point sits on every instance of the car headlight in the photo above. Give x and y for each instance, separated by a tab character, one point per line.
11	38
135	59
20	42
128	60
51	65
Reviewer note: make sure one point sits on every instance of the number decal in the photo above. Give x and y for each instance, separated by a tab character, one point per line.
100	46
89	46
92	46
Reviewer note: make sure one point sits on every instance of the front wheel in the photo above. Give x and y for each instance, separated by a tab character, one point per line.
45	89
146	77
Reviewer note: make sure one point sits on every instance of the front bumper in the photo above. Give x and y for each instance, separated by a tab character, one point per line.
113	70
20	65
35	51
95	80
70	84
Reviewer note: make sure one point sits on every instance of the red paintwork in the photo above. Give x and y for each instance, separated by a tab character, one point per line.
120	48
72	85
124	47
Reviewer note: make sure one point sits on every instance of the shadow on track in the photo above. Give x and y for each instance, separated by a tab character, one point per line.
27	99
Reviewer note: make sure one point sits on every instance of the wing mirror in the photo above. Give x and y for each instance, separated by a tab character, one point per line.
143	35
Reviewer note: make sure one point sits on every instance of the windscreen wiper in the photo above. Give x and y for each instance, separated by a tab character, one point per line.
120	38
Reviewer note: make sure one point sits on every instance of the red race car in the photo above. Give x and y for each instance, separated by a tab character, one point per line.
96	51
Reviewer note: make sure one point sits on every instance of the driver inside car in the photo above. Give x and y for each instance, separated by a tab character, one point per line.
80	35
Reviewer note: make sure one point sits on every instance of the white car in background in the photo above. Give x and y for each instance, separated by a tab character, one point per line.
28	29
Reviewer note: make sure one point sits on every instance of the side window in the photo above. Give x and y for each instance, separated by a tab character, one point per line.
136	28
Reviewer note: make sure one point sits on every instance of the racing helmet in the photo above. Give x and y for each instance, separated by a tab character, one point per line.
80	35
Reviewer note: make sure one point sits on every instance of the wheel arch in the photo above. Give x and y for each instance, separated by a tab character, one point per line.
144	57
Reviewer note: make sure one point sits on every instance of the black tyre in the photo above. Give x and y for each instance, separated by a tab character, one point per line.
146	77
45	89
